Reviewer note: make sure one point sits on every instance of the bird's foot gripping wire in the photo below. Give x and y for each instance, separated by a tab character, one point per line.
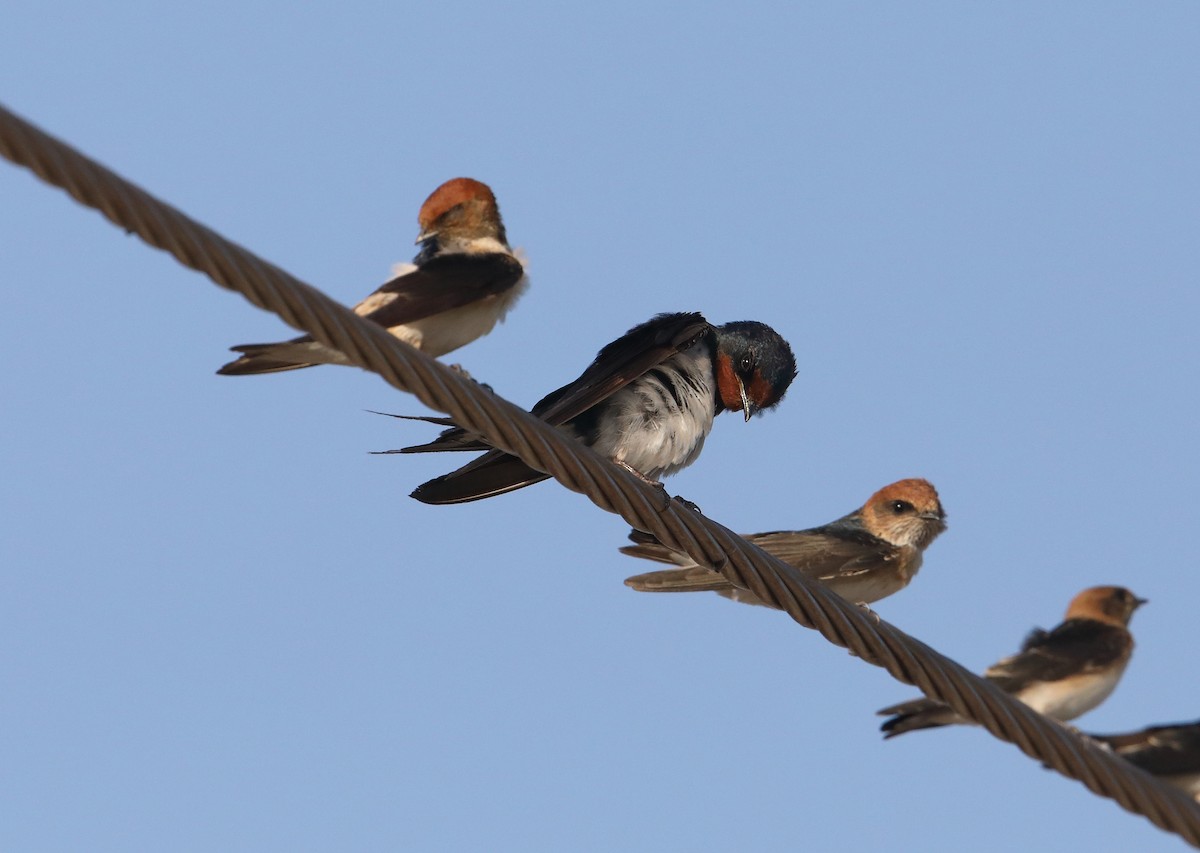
462	371
662	490
866	608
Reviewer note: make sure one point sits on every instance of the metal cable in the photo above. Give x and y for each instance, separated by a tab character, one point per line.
578	468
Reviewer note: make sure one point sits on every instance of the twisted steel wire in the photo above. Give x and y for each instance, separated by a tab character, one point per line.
580	469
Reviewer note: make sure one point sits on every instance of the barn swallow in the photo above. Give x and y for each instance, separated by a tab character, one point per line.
1062	673
462	282
1171	752
863	556
647	402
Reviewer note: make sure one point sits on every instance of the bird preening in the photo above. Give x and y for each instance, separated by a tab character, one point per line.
647	402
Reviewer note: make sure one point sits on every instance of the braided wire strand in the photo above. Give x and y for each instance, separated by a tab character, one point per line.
578	468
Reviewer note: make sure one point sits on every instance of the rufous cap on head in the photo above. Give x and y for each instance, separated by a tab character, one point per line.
914	490
907	512
1112	604
451	194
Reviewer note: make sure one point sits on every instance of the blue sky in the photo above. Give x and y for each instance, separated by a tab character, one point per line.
226	626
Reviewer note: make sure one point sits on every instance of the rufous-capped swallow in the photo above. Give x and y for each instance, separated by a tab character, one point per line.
1062	673
863	556
1171	752
462	282
647	402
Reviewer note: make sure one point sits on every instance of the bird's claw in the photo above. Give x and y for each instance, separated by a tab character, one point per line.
867	609
662	490
462	371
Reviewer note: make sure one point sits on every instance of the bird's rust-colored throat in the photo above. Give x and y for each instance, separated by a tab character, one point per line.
759	391
729	386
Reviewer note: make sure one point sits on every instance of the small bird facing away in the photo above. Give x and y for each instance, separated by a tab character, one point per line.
1171	752
647	402
1062	673
462	282
864	556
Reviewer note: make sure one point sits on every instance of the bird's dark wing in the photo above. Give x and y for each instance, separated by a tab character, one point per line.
838	550
441	284
624	360
647	547
694	579
1075	647
493	473
1162	750
914	715
827	553
1034	638
454	438
618	364
639	350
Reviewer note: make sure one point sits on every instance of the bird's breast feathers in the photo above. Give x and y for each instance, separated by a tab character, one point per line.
1071	697
657	423
449	330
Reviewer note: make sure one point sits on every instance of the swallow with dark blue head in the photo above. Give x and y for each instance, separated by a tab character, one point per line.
647	402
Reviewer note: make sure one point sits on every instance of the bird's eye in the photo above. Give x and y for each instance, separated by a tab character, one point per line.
901	507
746	363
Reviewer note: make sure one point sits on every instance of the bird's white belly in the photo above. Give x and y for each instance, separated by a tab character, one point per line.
870	588
1072	697
658	448
449	330
647	429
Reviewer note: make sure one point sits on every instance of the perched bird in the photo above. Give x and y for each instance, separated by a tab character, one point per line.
647	402
1171	752
1062	673
864	556
462	282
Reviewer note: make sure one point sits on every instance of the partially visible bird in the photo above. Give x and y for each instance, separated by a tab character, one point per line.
647	402
462	282
863	556
1062	673
1171	752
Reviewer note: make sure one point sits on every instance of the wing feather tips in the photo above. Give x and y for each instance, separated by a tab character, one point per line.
678	580
914	715
259	358
506	474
